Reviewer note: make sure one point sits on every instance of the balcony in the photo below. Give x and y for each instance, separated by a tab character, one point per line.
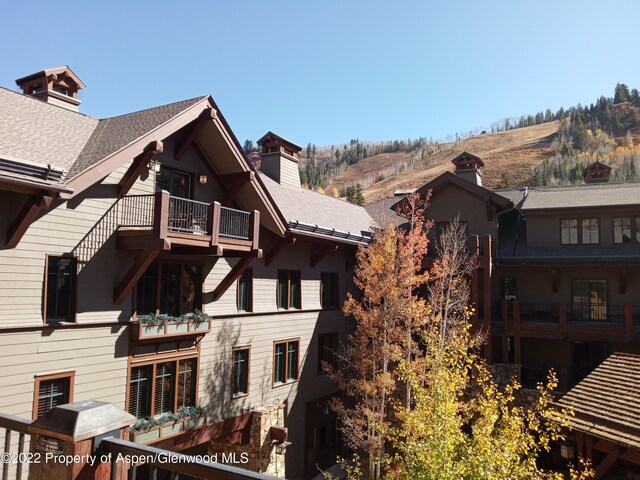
572	321
183	225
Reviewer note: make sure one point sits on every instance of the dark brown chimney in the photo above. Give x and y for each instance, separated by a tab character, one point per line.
57	86
469	166
597	172
279	160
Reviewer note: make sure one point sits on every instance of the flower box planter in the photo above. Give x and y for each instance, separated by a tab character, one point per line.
184	328
169	429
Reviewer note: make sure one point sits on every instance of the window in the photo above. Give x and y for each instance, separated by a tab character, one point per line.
60	291
327	350
173	383
569	231
329	290
169	289
241	371
622	230
51	391
285	362
245	291
589	300
590	231
289	289
177	183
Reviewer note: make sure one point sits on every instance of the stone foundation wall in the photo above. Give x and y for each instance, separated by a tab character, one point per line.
504	373
259	455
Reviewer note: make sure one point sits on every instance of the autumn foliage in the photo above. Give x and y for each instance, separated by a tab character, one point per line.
421	402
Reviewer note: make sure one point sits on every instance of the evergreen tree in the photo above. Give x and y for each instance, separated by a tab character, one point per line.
248	147
621	93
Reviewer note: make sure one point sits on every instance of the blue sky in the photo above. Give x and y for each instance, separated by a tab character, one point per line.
328	71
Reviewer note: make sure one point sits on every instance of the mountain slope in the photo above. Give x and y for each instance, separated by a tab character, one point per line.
514	151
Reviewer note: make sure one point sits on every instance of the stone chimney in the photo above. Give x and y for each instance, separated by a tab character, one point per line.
57	86
597	172
469	166
279	160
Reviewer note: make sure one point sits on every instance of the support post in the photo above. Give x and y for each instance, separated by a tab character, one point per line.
133	275
254	229
213	222
161	215
137	167
234	273
277	248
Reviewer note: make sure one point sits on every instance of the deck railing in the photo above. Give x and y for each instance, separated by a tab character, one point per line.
539	313
159	461
17	458
183	216
188	216
601	314
135	211
234	223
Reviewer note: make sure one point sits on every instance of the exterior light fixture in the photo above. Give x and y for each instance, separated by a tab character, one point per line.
202	179
281	448
568	450
154	166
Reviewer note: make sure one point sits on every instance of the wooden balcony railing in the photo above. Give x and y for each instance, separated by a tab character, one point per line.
165	214
18	458
563	317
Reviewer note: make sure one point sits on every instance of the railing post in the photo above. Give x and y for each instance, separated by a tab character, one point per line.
516	315
161	214
562	313
213	222
254	229
504	311
628	319
67	439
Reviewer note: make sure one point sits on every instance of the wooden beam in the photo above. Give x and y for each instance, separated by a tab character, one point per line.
25	218
321	254
216	250
606	463
233	190
277	248
254	229
487	204
139	266
233	275
137	167
183	146
231	178
350	261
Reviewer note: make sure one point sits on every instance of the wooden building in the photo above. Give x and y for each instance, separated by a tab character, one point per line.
557	283
144	262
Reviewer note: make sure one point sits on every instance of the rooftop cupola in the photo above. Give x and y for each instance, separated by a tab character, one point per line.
469	166
57	86
597	172
279	160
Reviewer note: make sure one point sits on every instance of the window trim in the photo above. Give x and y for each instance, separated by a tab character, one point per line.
334	362
332	284
286	362
250	294
582	227
631	229
288	306
156	360
74	293
578	225
240	348
69	374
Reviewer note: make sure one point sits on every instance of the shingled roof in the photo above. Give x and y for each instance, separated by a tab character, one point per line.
36	133
313	212
588	195
111	134
606	403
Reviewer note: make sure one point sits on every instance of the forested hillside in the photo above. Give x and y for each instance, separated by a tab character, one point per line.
545	148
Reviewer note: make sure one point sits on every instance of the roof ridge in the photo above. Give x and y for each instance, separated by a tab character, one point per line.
153	108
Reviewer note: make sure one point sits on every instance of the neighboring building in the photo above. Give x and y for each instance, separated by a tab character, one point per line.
107	224
606	419
558	277
557	283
